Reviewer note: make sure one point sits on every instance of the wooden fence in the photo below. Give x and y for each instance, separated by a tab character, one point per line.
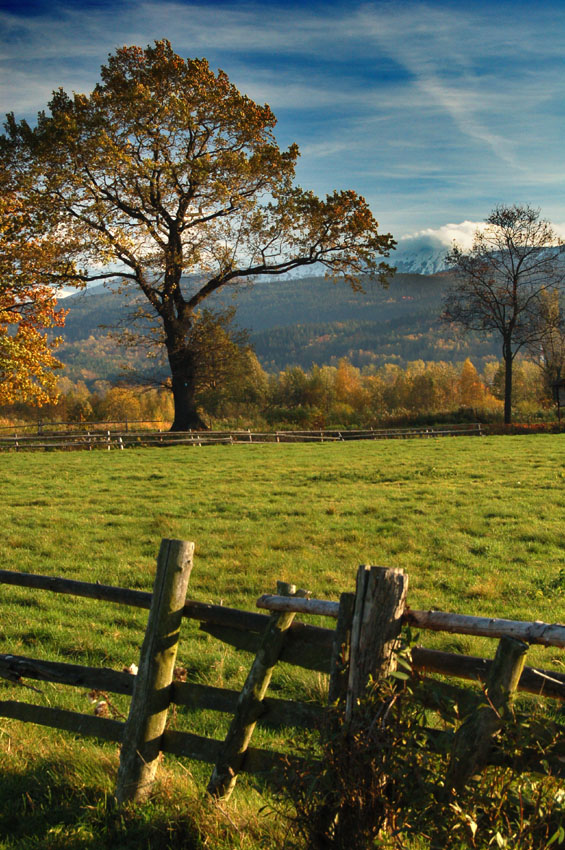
41	426
106	439
362	645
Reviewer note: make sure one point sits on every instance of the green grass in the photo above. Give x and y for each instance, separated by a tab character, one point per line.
477	523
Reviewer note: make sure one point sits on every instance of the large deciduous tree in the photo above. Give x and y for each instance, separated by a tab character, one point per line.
166	170
515	260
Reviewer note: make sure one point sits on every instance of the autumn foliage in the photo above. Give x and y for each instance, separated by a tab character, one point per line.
166	170
28	308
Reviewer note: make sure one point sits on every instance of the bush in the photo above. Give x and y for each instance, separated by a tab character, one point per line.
380	784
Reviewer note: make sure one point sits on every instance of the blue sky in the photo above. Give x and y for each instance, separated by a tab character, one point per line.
434	111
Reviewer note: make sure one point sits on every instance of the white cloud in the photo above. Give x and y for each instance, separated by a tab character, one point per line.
437	238
559	229
441	237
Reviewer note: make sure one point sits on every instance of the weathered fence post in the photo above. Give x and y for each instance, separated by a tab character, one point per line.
474	737
150	700
377	621
341	647
250	702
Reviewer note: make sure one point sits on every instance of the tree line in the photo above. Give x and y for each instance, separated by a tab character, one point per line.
321	397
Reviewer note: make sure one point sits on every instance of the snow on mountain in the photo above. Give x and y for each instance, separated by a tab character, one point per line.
424	252
424	260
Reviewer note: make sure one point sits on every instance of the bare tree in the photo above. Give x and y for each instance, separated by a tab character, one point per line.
550	352
515	261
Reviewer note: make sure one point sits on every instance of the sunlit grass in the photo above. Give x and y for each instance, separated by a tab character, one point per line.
477	523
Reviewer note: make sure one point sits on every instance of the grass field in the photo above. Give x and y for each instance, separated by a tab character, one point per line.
477	523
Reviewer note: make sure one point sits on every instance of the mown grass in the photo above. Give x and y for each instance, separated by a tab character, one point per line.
477	523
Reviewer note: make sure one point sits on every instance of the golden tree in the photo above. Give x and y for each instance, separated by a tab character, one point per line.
471	388
28	304
166	170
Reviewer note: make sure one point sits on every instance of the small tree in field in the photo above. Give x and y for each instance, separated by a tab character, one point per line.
501	282
166	170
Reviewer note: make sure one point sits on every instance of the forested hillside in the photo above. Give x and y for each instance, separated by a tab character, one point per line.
294	322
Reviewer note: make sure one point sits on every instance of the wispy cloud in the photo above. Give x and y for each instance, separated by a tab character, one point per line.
474	71
435	111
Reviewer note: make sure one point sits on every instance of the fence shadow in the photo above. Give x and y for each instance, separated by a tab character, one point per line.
47	805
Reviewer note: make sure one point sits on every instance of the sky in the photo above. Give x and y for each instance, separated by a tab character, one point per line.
434	111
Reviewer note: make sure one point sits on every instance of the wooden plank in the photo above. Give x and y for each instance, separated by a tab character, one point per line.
56	584
249	705
275	712
545	634
474	737
224	616
98	439
220	615
257	761
323	607
16	667
309	647
546	683
58	718
151	696
341	649
176	743
190	745
137	598
528	761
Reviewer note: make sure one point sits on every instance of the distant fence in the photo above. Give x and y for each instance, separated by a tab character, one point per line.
46	427
362	645
88	440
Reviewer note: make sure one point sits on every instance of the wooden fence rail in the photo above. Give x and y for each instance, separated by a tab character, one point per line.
361	645
308	646
108	440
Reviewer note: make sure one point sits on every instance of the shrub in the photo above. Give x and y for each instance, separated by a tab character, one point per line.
380	784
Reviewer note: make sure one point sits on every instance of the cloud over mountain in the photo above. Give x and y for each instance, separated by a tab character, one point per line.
424	252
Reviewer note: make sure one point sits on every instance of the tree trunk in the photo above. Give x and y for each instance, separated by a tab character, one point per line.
183	377
508	362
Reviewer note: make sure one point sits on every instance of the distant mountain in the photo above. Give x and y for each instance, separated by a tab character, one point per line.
427	256
293	322
422	260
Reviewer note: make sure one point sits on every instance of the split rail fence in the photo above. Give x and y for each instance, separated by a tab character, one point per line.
108	440
362	645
